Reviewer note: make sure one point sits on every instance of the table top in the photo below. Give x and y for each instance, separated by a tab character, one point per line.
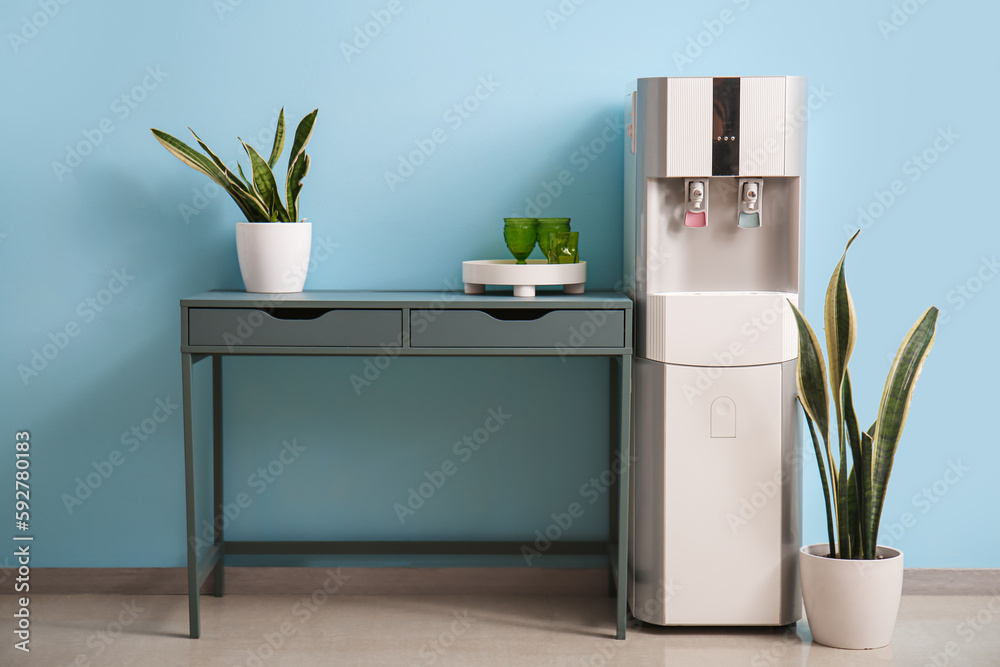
415	299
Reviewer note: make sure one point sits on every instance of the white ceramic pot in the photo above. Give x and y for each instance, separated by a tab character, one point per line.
274	256
851	603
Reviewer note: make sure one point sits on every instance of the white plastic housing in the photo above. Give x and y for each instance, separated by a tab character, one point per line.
720	495
721	328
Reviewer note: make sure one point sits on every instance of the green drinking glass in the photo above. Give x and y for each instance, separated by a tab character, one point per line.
547	226
563	247
520	235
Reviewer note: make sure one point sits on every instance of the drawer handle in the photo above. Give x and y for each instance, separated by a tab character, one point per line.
516	314
298	313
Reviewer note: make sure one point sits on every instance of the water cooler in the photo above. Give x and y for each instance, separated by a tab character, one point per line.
714	181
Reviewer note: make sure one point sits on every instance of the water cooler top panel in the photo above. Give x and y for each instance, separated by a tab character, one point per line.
730	126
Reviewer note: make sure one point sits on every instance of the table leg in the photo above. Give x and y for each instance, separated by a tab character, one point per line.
613	435
624	453
220	570
194	611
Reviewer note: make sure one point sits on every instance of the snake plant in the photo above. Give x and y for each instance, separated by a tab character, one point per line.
258	197
854	494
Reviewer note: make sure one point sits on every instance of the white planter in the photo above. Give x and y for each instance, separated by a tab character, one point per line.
274	256
851	603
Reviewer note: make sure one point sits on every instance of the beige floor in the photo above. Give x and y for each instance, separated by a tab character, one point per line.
240	630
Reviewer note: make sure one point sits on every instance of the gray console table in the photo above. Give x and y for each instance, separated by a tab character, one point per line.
216	324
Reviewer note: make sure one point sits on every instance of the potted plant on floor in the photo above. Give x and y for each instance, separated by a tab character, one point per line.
274	258
851	586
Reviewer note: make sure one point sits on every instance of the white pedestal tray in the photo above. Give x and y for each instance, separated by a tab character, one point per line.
524	278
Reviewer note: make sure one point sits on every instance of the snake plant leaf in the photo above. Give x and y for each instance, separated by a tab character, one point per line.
810	378
894	407
246	180
854	548
826	483
293	184
862	468
189	156
199	162
259	197
870	540
237	189
279	140
843	501
219	163
302	135
839	321
263	180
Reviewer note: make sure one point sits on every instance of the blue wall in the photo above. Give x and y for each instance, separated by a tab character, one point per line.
102	232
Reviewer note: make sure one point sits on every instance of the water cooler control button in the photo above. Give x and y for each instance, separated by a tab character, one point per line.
723	418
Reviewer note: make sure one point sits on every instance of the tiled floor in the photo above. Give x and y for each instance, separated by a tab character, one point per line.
253	631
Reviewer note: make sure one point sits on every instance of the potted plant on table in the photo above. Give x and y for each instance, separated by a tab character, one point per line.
274	258
851	586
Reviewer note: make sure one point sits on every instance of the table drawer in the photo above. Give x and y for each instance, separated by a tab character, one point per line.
303	327
517	327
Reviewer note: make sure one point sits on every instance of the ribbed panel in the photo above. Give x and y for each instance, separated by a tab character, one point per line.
790	330
762	116
689	126
795	130
656	337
